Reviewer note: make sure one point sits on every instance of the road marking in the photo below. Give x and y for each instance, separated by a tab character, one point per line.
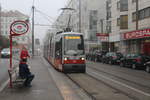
132	88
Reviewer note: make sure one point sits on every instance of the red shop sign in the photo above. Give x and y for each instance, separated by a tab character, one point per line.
137	34
102	34
103	37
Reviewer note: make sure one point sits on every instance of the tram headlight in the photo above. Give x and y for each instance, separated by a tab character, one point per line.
82	58
65	58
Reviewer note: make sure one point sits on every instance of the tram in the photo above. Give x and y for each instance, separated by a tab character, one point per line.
65	51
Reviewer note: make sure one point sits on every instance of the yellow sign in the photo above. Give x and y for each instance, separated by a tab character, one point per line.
72	37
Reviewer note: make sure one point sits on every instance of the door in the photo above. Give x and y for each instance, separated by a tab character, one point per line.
146	48
58	54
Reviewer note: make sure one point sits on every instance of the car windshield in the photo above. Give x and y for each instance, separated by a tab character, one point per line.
6	50
112	54
133	55
74	45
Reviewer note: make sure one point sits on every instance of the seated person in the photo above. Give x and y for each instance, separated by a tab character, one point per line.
24	73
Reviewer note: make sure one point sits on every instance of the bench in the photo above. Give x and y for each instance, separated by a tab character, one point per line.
14	76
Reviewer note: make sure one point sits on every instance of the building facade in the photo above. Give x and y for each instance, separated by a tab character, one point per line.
8	17
129	23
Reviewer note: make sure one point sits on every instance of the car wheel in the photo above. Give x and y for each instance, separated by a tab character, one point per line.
95	59
121	64
148	69
110	62
133	66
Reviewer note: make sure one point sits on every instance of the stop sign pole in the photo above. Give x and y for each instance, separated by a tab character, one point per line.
17	28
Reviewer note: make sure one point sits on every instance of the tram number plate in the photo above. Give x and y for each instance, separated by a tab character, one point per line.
73	58
74	61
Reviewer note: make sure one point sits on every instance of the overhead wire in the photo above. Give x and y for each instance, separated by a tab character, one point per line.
45	14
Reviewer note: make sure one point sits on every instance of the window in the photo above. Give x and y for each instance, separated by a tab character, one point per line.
141	14
147	12
58	48
118	21
109	27
123	5
133	1
74	45
94	22
134	16
118	5
124	22
144	13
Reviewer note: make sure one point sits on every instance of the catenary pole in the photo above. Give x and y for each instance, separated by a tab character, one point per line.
33	9
137	14
0	18
80	16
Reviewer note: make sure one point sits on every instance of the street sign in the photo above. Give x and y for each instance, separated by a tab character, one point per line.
19	28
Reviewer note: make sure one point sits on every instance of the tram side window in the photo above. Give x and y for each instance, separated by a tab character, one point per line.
58	49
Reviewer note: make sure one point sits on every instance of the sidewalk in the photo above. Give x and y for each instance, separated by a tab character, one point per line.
43	86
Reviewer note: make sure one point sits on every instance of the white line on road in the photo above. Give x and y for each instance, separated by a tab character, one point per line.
127	86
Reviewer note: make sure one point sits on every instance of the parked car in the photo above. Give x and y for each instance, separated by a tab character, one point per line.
5	53
91	55
112	58
134	61
99	55
147	66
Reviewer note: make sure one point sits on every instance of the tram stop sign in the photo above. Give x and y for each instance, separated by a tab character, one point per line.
19	28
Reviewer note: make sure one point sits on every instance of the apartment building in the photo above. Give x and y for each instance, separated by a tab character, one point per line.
129	25
7	17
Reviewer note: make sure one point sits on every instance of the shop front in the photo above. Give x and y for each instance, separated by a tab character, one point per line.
137	41
103	39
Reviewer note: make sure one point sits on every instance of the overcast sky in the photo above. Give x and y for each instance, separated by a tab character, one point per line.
50	7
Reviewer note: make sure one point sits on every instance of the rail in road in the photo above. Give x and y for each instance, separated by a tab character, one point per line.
103	82
98	89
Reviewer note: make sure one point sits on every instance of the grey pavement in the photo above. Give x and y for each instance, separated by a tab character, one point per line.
43	86
4	65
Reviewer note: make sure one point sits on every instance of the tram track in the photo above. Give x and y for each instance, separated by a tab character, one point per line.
119	91
100	83
89	94
120	78
127	70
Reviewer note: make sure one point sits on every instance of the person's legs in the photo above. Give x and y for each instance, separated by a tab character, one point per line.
29	80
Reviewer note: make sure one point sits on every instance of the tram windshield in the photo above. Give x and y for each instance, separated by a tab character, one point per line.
74	45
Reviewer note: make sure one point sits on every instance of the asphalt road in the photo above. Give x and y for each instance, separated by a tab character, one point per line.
134	83
111	82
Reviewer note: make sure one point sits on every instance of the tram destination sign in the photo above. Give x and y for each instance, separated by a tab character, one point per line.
19	28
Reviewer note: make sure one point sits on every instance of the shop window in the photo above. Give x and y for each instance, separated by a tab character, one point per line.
124	22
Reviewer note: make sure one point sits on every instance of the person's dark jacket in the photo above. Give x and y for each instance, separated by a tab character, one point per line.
24	71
